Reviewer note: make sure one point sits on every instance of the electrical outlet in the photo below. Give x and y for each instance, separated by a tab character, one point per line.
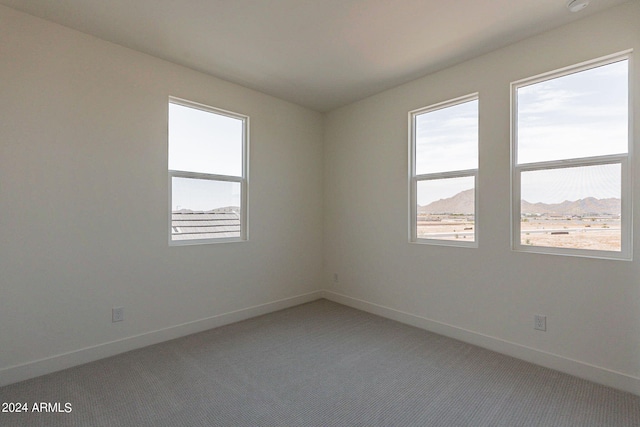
540	322
117	314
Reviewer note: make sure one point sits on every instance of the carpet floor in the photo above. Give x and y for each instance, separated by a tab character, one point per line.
317	364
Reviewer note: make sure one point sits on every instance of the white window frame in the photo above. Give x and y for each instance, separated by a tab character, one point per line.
414	179
624	160
242	180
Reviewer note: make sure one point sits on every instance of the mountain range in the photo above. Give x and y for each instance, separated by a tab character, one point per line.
226	209
463	203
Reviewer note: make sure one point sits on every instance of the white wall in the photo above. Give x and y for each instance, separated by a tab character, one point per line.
487	295
84	200
83	211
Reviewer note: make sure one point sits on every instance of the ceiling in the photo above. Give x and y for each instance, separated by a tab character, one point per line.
321	54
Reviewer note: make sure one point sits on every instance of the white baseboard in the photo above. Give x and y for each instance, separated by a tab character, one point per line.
24	371
573	367
35	368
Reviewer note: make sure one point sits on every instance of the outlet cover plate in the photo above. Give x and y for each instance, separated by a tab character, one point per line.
540	322
117	314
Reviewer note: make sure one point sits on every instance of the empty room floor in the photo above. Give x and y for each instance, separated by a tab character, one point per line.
317	364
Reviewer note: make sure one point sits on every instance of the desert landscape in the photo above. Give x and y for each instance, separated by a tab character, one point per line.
595	233
588	223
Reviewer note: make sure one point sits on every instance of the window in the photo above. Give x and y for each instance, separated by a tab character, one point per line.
207	174
444	171
571	161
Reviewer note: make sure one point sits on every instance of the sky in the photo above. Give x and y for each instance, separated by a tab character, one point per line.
578	115
204	142
203	195
446	140
201	141
558	185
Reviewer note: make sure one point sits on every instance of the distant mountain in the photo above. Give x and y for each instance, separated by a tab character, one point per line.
463	203
590	205
226	209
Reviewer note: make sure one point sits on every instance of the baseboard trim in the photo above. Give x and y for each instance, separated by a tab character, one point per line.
573	367
36	368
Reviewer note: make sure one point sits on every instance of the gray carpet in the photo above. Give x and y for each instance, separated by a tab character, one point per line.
318	364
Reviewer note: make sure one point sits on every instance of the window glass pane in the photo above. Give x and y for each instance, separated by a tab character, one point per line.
447	139
446	209
578	207
204	209
204	142
574	116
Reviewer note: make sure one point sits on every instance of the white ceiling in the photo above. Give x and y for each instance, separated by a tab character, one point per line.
318	53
